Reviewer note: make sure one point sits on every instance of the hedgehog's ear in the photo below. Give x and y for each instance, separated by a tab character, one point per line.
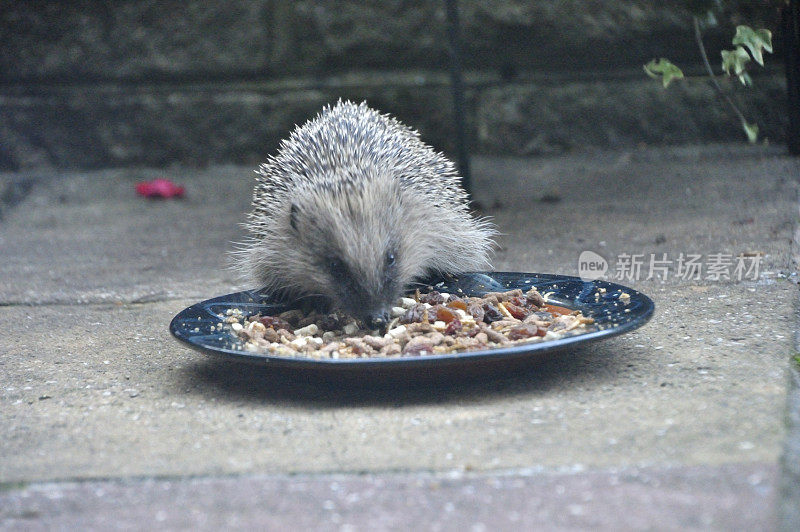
293	216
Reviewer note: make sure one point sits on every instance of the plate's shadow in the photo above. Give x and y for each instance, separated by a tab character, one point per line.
589	365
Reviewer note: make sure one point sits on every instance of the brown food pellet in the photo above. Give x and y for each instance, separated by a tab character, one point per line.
285	334
376	342
534	298
436	338
417	345
391	350
358	346
495	336
271	335
476	311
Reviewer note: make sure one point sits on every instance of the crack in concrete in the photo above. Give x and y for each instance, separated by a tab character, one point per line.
789	494
789	502
14	192
144	300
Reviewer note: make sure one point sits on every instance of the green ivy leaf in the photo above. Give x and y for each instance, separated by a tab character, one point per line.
755	40
664	70
746	79
751	130
735	60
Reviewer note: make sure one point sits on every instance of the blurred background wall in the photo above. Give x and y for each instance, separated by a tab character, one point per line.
159	82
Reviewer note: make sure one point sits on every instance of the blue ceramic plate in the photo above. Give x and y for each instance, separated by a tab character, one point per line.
196	325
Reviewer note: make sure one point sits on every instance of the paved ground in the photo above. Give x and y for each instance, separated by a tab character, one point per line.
106	420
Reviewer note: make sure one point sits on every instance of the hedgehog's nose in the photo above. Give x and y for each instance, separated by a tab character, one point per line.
378	321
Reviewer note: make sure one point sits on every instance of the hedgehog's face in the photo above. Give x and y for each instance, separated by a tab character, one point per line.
352	241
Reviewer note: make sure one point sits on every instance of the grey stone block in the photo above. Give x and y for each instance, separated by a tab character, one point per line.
194	125
201	40
204	124
101	40
545	118
90	84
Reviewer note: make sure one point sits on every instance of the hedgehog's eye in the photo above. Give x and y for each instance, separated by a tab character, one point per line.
390	258
337	267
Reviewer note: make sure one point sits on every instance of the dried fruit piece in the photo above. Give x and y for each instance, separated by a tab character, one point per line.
293	316
491	313
415	314
276	323
453	327
445	314
517	312
476	311
432	298
555	310
457	303
520	301
526	330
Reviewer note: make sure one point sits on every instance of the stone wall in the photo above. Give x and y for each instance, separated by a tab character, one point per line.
92	83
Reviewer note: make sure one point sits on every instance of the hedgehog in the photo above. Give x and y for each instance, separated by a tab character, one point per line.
352	210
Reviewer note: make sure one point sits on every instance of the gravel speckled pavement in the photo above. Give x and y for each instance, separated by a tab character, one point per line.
108	422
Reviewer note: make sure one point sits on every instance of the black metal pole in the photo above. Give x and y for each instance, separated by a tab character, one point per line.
790	24
457	86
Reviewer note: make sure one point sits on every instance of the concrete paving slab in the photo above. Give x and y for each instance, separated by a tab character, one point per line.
92	386
87	237
691	200
104	391
686	498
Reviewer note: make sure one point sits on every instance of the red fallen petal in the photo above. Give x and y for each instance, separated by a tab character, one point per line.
159	188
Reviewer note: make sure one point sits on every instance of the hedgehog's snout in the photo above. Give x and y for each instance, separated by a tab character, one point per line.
377	320
362	288
373	312
366	305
